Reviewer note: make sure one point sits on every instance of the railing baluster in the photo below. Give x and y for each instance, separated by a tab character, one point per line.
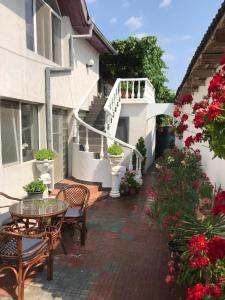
145	88
130	167
137	163
120	90
132	95
127	90
87	141
139	89
102	147
78	133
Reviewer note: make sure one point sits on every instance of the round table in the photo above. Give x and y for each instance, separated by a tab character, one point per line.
38	209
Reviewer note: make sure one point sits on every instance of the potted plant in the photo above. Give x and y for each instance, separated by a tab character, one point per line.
124	89
35	189
129	184
44	160
115	154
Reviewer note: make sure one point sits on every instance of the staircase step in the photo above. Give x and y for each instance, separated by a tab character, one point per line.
95	194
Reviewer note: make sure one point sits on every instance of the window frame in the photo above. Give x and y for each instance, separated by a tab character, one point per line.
20	161
59	17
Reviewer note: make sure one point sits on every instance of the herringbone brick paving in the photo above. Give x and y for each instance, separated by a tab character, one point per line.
125	258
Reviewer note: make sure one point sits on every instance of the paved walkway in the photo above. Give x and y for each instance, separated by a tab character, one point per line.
125	258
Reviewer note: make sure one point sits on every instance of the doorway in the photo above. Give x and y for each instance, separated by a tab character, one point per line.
60	143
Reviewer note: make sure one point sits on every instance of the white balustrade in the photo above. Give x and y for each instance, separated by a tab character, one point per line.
87	141
102	147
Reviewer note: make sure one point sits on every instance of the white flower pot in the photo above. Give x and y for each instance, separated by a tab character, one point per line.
115	160
116	169
44	166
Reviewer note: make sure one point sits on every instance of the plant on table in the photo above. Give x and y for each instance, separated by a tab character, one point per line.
36	186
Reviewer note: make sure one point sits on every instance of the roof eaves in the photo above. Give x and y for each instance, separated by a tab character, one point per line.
202	45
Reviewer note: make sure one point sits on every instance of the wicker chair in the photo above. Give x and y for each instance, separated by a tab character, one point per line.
21	249
77	197
5	218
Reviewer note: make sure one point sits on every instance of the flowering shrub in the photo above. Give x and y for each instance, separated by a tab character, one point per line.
209	115
193	212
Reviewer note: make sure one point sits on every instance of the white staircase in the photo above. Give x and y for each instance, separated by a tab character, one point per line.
91	138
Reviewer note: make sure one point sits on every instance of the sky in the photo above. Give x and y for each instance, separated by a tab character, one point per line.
179	26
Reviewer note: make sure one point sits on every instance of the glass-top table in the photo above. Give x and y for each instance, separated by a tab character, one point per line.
38	209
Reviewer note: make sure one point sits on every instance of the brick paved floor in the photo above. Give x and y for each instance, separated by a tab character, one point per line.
125	258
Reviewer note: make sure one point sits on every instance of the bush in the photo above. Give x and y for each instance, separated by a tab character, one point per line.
36	186
115	150
142	149
45	154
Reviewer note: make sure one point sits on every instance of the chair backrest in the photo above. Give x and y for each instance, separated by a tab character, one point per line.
75	195
8	197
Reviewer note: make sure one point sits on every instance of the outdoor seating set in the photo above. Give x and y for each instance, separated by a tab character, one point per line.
31	230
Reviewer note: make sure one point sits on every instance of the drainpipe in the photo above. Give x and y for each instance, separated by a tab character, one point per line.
50	71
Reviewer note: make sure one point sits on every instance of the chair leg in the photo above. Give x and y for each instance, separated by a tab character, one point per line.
20	285
83	234
50	266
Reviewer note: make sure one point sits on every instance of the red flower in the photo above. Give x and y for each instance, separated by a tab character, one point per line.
169	279
199	119
197	243
199	261
215	110
187	99
177	113
216	83
189	140
216	249
215	291
184	118
198	137
197	292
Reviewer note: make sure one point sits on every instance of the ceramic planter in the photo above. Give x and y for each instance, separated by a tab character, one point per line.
35	195
44	166
115	160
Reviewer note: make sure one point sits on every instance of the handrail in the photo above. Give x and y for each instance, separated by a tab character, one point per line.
89	127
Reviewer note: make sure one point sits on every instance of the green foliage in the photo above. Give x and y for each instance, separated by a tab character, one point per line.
35	186
45	154
115	150
138	58
129	181
142	149
164	120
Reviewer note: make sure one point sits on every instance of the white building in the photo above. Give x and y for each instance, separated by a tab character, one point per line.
35	36
49	73
196	81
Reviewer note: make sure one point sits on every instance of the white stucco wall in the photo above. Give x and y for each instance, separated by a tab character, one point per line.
214	168
22	77
141	126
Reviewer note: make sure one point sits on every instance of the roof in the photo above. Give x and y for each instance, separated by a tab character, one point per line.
77	11
207	56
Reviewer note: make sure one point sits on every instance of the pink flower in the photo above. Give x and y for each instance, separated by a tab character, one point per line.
169	279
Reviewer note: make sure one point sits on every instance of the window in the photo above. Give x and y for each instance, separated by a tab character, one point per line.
47	29
19	137
29	24
56	39
30	135
10	136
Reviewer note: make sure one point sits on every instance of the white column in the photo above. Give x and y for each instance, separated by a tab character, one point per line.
87	142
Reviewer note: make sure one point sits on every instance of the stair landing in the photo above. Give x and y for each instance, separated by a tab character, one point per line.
95	194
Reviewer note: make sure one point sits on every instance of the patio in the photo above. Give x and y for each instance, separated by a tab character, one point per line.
125	257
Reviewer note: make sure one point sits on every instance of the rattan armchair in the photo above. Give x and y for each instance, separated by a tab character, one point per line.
77	196
5	218
21	249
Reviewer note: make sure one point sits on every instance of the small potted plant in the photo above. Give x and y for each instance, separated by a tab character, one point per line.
44	160
129	184
35	189
115	154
